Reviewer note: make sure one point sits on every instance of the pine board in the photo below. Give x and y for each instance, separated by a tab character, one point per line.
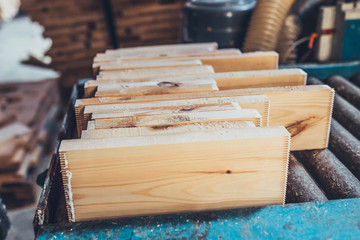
174	129
243	62
211	46
130	65
196	171
164	120
155	88
84	108
104	59
178	109
304	110
157	72
225	81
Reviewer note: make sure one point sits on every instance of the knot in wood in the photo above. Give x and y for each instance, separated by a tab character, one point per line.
168	84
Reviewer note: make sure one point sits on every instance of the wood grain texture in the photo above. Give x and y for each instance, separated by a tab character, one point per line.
155	88
164	120
13	162
162	174
151	64
153	130
102	59
17	176
243	62
260	79
155	72
84	108
231	63
134	51
304	110
105	60
149	111
227	80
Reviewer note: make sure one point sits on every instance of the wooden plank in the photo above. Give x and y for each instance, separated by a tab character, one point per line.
228	80
84	108
14	162
163	120
7	151
11	138
149	111
210	46
102	58
148	131
242	62
156	88
304	110
260	79
17	176
130	65
155	72
197	171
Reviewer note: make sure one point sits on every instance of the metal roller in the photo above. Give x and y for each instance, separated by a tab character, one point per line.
346	147
356	79
4	221
345	113
346	89
300	186
330	173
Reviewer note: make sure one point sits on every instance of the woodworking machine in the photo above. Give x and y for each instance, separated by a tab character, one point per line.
323	191
338	33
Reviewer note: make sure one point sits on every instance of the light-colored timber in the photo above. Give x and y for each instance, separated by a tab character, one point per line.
154	130
155	72
243	62
260	79
304	110
155	88
181	172
84	108
130	51
153	64
143	111
102	58
227	80
17	176
163	120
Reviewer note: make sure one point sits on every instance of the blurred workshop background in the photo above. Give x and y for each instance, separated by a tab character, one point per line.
46	46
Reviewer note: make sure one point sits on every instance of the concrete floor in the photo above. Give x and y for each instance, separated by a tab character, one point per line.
19	39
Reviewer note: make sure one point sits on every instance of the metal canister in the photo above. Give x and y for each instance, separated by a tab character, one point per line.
221	21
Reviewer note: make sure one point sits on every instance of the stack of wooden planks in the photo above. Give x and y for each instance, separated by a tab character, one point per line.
147	22
188	127
78	31
25	107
